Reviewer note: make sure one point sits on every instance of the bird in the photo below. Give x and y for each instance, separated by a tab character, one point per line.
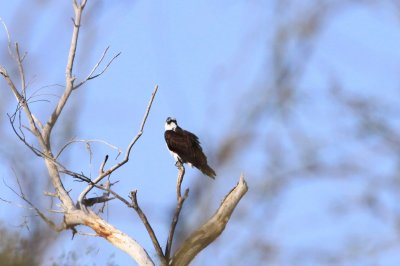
185	147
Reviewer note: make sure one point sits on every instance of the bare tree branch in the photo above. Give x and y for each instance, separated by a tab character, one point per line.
21	71
91	76
180	201
39	153
149	229
181	173
105	68
101	170
113	235
128	151
22	101
21	136
88	141
210	230
4	200
69	79
8	38
48	221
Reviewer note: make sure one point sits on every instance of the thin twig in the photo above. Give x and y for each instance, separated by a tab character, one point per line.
179	204
35	93
91	76
95	67
88	141
109	63
16	193
22	137
50	194
101	170
6	201
149	229
39	153
76	175
21	71
21	194
22	102
8	37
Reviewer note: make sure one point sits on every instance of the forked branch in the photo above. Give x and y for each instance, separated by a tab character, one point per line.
210	230
91	74
128	151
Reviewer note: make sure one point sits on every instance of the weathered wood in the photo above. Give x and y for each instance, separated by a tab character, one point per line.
210	230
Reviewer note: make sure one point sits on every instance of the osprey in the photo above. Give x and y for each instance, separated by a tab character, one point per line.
185	147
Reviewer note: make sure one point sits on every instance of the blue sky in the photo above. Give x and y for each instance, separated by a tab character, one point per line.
205	57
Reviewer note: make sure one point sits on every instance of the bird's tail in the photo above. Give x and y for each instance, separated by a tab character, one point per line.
207	170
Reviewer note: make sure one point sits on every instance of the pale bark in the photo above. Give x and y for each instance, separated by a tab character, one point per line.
117	238
210	230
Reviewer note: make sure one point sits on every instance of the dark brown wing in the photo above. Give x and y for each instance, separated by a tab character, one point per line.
187	146
199	160
180	143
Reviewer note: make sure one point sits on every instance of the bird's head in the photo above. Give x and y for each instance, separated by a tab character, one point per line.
170	123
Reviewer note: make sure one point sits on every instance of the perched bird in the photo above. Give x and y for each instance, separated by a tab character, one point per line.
185	147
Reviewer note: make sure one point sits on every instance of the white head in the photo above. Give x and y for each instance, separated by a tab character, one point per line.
170	123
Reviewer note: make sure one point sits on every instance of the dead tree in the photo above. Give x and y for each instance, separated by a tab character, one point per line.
80	211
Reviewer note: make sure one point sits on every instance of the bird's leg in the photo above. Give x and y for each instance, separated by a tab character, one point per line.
179	163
